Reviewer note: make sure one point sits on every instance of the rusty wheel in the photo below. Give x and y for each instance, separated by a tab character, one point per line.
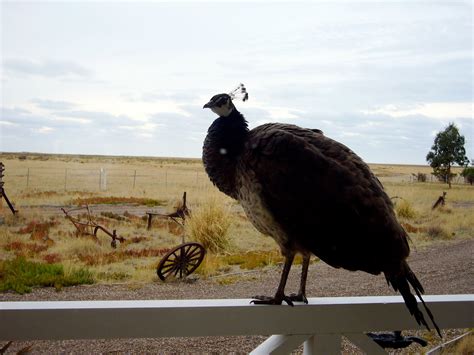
181	261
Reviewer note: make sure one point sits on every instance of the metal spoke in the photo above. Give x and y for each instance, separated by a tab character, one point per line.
166	267
195	252
197	257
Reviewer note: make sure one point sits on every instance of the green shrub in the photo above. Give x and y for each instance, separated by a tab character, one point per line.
421	177
468	174
20	275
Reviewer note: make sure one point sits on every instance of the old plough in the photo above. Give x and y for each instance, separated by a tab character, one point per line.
89	226
3	194
184	259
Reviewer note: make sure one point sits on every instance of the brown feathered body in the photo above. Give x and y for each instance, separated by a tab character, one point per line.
311	194
308	192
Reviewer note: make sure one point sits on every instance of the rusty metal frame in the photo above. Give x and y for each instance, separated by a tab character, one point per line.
181	213
90	227
440	201
2	190
184	259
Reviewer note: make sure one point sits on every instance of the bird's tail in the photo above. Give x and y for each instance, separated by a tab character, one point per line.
401	282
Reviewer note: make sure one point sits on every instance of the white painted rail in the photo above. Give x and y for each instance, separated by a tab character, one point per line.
319	325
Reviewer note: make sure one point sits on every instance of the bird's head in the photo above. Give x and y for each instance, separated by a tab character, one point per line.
222	105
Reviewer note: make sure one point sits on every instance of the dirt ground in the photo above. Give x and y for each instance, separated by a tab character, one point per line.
445	268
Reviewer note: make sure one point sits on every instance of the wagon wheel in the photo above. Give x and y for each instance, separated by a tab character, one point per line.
181	261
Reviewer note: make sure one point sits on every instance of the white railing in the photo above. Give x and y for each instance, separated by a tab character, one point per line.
319	325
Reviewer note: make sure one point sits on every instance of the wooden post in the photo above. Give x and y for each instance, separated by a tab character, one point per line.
65	179
148	226
27	178
103	179
134	178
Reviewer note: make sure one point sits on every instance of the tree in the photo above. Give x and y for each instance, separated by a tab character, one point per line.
447	150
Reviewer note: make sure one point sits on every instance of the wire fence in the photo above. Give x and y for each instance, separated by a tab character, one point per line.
120	180
102	179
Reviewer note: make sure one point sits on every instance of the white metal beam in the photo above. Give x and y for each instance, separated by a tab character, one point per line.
187	318
280	344
322	344
365	343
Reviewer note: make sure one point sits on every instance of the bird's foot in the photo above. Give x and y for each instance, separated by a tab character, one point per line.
300	297
272	300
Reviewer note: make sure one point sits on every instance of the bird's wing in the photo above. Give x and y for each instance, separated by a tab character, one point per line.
324	197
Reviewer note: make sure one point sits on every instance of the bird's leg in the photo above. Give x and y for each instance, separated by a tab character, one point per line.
301	296
280	294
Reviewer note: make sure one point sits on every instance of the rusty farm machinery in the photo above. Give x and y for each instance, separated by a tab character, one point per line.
89	226
3	194
183	259
178	262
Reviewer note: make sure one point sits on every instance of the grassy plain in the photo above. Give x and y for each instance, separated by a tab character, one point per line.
39	185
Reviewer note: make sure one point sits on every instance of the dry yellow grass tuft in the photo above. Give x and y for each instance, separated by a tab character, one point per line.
212	265
463	346
254	259
405	209
209	225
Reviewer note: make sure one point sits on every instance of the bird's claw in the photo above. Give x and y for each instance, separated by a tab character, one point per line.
272	300
300	297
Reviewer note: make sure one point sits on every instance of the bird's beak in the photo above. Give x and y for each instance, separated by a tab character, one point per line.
209	104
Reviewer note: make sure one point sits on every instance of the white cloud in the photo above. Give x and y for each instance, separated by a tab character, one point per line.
53	104
47	68
44	130
72	120
350	134
7	123
438	110
148	126
283	113
275	113
137	110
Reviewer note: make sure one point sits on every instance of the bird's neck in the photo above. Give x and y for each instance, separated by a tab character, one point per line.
222	147
229	134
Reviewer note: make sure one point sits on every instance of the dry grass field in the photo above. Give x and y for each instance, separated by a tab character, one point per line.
127	187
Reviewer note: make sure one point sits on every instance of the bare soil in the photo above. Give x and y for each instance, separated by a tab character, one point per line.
443	268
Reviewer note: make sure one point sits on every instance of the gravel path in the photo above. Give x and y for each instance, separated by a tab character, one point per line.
443	269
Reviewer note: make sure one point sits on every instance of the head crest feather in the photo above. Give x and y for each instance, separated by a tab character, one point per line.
239	92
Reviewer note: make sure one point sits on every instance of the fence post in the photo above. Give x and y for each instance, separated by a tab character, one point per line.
65	179
134	178
27	178
103	179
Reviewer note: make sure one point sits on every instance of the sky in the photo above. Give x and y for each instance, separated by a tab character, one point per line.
130	78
